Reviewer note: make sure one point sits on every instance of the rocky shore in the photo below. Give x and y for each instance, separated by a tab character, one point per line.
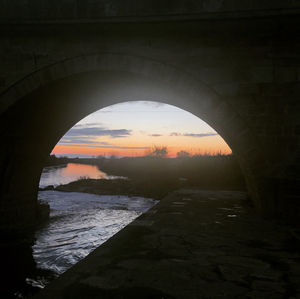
155	189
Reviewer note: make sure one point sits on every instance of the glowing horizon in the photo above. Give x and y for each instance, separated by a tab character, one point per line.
133	128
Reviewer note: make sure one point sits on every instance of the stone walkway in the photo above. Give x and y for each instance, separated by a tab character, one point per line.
193	244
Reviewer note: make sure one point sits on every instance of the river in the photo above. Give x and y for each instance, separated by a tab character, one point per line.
64	174
79	222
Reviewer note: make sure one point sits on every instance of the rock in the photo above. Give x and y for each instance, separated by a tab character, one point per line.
264	295
50	187
43	211
233	273
268	287
267	274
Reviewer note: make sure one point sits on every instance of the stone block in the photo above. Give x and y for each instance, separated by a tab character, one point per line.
216	75
248	89
297	129
285	74
262	74
298	73
279	89
268	286
227	89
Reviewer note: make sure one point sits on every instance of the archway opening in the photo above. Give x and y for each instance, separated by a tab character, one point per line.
117	163
55	107
113	136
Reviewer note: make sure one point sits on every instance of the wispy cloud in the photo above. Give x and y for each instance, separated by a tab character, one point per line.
107	146
84	131
199	135
175	134
153	104
87	125
155	135
80	139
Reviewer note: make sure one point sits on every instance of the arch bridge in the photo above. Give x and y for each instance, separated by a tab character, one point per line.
234	64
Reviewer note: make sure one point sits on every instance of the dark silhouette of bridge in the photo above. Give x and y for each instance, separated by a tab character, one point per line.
235	64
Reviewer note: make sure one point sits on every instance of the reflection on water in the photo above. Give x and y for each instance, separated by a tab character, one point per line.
79	223
64	174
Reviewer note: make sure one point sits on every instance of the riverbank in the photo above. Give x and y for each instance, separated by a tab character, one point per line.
156	189
154	177
219	172
193	244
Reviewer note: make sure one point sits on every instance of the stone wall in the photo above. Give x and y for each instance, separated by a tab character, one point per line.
239	75
87	10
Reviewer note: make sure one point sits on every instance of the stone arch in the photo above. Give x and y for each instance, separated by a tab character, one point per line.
102	61
111	77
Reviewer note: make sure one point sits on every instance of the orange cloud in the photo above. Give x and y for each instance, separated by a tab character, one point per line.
138	145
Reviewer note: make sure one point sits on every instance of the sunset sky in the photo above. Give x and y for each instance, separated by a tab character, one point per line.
133	128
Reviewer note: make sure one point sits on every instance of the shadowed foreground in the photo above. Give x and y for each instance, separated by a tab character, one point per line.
193	244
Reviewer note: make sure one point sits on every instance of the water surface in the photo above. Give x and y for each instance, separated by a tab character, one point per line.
64	174
80	222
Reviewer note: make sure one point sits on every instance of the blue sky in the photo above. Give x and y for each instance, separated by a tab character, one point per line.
132	128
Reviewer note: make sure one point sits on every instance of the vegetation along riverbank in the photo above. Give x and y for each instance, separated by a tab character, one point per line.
156	175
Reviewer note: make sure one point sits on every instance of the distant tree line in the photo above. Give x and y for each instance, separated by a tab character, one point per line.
204	171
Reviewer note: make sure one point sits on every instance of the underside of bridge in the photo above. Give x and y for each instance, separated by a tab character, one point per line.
234	65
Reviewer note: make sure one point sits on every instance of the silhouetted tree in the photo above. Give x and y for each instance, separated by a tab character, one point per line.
159	151
183	154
